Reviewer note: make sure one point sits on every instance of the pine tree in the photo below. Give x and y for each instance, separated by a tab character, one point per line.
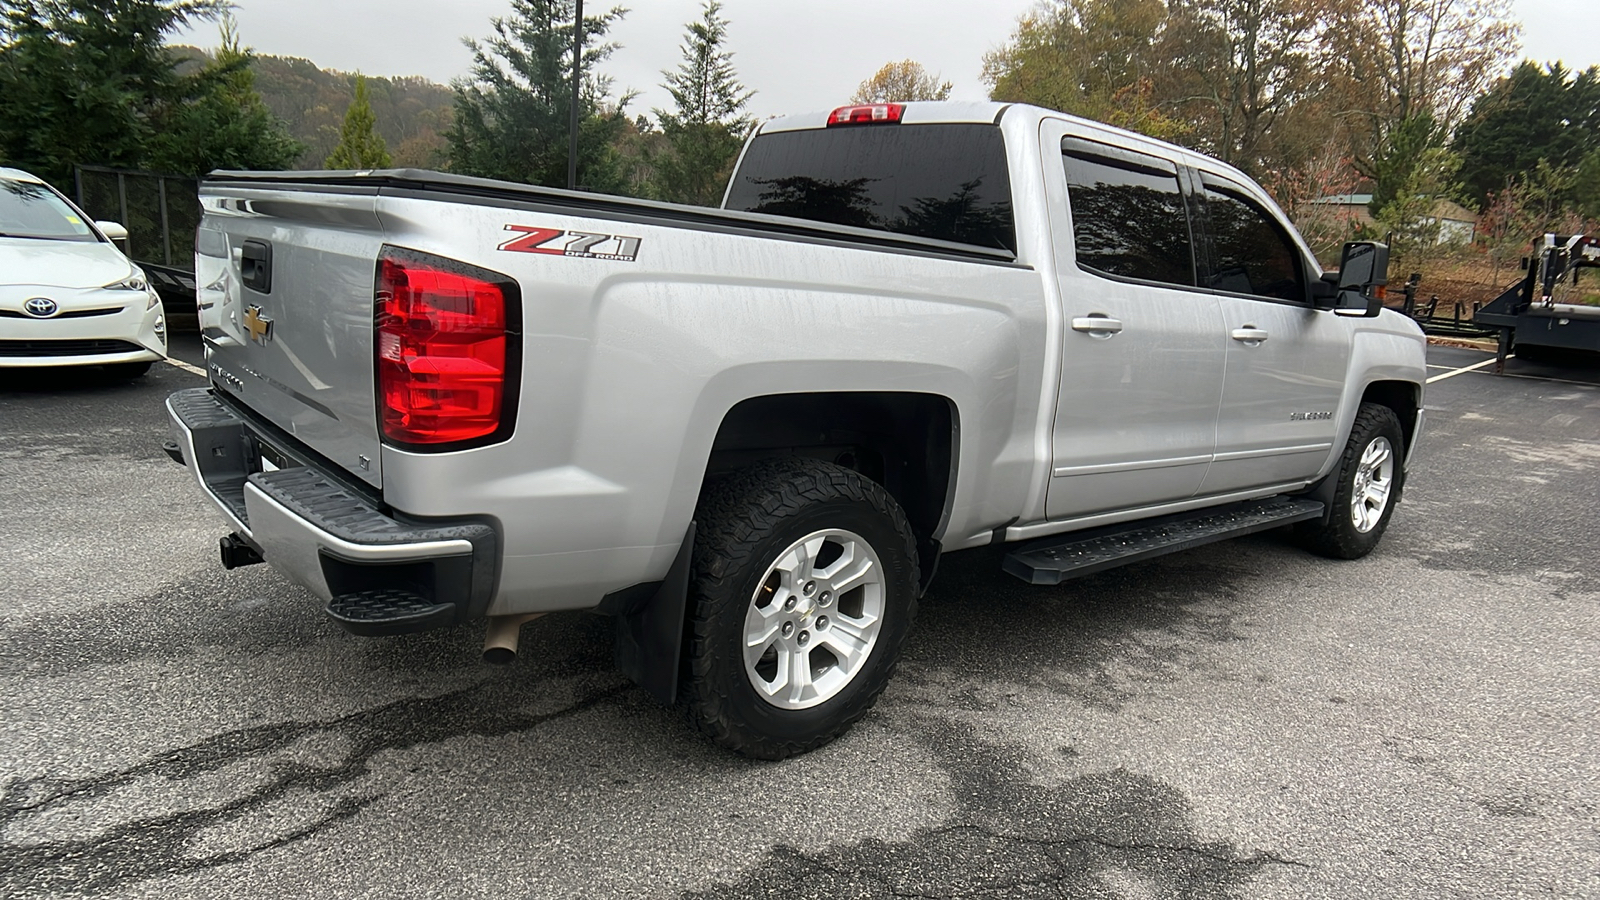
1533	113
511	118
89	81
360	144
222	123
705	132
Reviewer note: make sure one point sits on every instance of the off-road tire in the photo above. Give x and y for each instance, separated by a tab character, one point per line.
743	524
1338	537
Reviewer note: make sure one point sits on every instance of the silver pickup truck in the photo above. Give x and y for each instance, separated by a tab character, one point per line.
749	433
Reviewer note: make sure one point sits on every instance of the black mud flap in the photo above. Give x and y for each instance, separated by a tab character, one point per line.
650	627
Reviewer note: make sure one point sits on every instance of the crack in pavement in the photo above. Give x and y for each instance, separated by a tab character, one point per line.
157	845
1012	838
1259	856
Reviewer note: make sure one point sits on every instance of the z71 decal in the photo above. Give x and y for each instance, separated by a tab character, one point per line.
583	244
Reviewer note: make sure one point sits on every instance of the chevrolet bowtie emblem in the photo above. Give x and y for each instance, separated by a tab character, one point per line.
259	326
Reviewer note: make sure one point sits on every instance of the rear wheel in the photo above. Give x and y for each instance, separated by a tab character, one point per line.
1369	475
803	590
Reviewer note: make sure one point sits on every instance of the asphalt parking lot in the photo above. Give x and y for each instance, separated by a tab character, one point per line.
1241	720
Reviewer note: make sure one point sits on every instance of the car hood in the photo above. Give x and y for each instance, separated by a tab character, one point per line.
61	264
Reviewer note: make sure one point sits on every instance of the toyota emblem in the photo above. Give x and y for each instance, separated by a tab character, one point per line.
41	307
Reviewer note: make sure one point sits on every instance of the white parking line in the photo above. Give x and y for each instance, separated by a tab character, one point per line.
192	370
1477	365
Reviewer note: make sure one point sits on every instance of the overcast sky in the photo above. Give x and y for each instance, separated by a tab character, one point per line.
798	55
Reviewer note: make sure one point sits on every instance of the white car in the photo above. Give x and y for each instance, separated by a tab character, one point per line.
68	296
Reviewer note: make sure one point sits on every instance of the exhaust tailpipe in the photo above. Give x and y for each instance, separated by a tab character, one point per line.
500	641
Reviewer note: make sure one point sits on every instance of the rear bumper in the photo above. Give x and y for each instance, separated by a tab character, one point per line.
378	572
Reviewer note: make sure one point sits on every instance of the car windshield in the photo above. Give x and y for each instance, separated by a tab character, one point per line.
29	210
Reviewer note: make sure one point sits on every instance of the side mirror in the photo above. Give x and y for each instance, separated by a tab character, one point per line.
1363	279
112	230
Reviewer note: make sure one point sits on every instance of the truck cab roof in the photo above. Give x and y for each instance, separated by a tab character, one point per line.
1028	116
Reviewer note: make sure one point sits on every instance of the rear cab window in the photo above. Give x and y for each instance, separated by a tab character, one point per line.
947	181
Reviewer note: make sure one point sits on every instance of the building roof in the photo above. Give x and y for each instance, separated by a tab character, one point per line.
1447	210
1345	199
1453	211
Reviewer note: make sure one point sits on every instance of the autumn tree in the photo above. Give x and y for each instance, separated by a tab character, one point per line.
1402	59
1239	70
511	113
1506	227
1308	191
906	80
360	146
1093	58
708	124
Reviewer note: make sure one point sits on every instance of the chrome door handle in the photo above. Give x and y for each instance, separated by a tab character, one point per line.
1249	335
1097	326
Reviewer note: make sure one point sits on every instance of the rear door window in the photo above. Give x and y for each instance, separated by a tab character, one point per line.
1251	252
944	181
1128	214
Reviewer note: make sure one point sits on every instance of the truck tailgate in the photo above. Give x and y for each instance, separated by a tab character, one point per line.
285	288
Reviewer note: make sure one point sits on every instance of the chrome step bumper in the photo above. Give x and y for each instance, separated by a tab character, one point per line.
329	538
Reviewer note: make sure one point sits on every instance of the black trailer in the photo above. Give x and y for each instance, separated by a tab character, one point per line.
1555	305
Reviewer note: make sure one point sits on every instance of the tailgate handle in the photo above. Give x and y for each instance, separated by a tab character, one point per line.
255	266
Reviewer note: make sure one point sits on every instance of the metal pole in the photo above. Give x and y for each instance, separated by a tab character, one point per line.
577	81
166	230
122	205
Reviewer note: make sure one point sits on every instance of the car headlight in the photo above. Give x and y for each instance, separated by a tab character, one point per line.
134	282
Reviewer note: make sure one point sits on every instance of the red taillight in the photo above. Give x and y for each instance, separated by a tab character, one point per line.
446	350
871	114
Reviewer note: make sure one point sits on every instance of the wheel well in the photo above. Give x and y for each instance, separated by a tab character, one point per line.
905	442
1401	397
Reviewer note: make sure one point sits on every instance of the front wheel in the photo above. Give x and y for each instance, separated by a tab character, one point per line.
803	588
1369	476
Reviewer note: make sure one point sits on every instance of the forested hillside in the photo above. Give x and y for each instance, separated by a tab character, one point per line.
412	112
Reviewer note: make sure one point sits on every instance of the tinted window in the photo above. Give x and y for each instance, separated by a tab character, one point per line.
1128	217
938	181
1253	255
